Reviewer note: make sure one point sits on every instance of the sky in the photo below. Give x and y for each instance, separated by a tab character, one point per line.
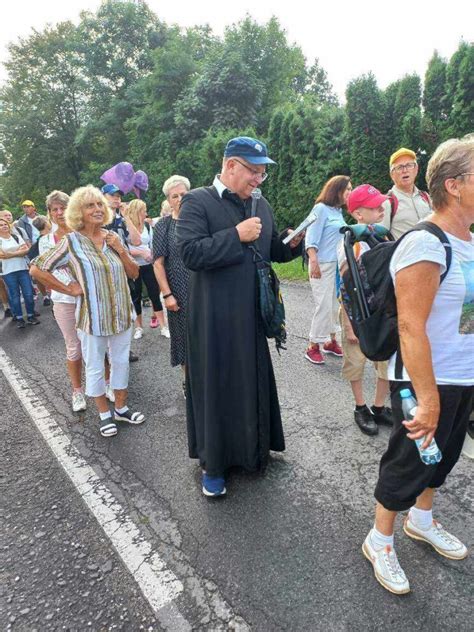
391	39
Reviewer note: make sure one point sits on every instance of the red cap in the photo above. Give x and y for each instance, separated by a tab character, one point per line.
366	196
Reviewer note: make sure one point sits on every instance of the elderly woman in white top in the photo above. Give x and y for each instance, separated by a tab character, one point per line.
434	288
13	251
101	265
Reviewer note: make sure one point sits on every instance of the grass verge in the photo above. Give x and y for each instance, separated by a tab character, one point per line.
291	271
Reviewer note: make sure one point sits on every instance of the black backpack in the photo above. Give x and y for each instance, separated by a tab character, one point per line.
369	295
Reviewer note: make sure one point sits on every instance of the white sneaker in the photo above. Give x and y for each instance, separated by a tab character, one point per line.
78	402
442	541
165	331
388	571
109	393
138	333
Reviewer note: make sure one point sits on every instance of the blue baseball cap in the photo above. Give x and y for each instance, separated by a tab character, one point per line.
111	189
250	149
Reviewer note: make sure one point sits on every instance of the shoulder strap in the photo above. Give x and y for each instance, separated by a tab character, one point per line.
393	204
425	197
435	230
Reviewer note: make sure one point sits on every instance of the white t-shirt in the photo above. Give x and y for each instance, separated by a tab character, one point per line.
147	239
63	274
450	325
15	263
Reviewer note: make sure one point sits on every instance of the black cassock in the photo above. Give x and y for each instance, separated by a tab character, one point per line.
233	413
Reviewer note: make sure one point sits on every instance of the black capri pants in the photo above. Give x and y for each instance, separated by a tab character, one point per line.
403	476
146	275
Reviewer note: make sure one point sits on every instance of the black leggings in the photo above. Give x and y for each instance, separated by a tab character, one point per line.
146	276
403	476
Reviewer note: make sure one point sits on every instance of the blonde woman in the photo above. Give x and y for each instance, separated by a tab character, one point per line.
143	256
101	265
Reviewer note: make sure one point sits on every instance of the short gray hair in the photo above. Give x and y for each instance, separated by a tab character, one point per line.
174	181
449	160
58	197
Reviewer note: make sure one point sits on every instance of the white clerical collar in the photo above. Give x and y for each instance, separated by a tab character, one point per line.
220	186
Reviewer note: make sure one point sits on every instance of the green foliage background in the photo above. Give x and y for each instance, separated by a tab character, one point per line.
123	85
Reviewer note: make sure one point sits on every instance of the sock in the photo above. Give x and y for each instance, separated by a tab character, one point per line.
379	540
105	416
78	390
122	410
107	382
421	518
377	409
363	407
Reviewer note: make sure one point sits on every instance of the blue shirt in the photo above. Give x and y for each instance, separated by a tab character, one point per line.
323	234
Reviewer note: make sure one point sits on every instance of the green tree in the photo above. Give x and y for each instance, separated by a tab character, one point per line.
117	44
277	68
43	105
365	129
434	93
318	88
223	96
462	115
452	77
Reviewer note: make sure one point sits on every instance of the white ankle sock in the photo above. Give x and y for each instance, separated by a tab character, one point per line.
379	540
122	410
421	518
106	415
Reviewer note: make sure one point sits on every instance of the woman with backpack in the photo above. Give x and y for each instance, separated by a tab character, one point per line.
322	239
142	254
433	276
13	251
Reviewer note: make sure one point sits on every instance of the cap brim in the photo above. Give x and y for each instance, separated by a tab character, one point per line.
259	160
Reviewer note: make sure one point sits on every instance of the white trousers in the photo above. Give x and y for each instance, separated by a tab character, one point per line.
325	320
94	349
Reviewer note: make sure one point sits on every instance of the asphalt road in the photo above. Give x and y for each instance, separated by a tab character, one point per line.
281	552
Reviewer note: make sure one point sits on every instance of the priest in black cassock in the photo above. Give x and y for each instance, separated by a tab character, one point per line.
233	413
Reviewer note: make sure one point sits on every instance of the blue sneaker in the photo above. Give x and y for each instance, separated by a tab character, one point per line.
213	485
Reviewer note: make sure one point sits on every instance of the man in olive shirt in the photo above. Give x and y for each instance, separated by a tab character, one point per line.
408	205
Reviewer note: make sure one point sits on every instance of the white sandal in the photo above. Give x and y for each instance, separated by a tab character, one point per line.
132	418
108	429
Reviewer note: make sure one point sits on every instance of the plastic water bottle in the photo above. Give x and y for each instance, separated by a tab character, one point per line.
432	454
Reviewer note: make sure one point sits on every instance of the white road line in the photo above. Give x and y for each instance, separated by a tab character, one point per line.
158	584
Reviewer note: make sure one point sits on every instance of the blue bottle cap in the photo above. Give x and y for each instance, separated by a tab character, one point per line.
405	393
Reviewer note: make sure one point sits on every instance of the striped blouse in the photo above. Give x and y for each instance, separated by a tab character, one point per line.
105	308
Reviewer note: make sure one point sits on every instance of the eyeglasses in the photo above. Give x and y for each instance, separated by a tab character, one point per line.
468	173
408	166
257	174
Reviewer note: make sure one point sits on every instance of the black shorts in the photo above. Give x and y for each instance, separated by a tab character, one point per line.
403	476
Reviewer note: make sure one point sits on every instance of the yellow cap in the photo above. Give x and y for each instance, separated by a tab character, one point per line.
403	151
27	203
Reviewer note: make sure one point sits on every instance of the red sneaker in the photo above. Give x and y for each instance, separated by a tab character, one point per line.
333	347
313	354
154	322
